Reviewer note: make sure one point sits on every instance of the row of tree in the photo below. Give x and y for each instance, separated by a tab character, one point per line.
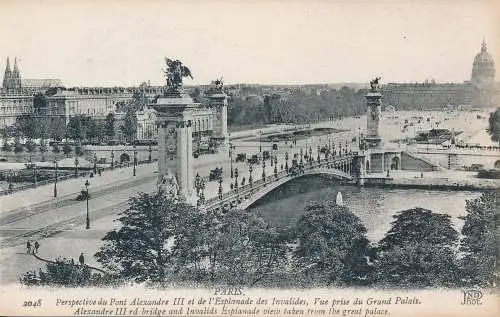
167	242
297	106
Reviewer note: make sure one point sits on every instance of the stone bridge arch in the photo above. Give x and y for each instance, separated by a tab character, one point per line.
262	191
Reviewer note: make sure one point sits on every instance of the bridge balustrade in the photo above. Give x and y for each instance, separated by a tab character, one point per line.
343	164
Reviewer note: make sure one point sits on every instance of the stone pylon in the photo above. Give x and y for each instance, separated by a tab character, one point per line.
175	150
373	113
218	100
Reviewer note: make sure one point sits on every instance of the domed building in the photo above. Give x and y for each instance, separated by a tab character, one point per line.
483	68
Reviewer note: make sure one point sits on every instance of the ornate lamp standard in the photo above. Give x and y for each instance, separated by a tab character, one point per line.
202	187
95	163
310	155
345	146
260	141
250	180
10	181
286	162
55	182
340	148
220	187
150	149
236	179
135	158
76	166
319	159
301	156
197	186
87	184
112	159
275	170
34	174
231	159
264	171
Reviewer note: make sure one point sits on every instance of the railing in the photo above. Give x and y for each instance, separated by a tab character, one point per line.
250	188
62	178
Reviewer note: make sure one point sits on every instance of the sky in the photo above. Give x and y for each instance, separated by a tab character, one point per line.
123	43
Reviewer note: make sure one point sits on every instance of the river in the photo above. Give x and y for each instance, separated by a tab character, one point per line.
374	206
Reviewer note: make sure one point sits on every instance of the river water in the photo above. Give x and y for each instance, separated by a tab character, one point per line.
374	206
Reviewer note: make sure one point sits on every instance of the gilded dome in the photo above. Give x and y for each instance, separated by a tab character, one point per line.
483	68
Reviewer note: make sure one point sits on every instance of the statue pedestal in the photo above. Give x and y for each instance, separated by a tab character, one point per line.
175	148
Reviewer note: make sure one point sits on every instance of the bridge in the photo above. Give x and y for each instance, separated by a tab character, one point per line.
339	167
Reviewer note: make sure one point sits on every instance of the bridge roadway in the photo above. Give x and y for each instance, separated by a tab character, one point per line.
243	197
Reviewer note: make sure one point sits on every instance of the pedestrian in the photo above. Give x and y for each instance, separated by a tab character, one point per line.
37	245
100	172
81	259
28	247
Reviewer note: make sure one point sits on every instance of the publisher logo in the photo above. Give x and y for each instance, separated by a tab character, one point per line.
472	297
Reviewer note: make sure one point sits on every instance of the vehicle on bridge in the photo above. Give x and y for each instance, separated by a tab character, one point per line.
84	195
265	155
215	174
254	160
241	157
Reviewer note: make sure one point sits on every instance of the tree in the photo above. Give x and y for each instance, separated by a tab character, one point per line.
76	128
43	148
331	246
141	249
418	251
66	149
231	248
480	241
109	125
129	127
494	127
18	147
30	147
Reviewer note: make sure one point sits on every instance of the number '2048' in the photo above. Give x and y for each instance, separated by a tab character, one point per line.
29	303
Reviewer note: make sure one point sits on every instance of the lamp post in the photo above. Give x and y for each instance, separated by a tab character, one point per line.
286	162
10	181
197	184
55	183
95	163
260	141
150	149
220	187
87	183
319	159
236	179
250	180
34	174
135	158
301	156
202	186
231	159
76	166
264	171
112	159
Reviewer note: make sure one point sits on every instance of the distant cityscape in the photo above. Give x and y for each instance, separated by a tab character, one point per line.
49	98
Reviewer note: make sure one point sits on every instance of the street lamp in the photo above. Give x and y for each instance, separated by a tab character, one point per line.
87	184
76	166
34	173
55	183
197	184
260	141
112	159
220	187
236	179
202	186
319	159
10	181
135	158
231	159
95	163
250	169
150	150
264	171
286	162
